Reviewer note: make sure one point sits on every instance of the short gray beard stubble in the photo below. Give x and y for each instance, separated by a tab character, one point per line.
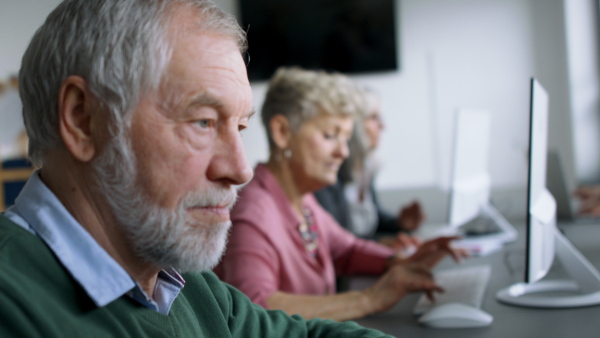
162	237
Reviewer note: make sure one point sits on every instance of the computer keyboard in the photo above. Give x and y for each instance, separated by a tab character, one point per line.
462	285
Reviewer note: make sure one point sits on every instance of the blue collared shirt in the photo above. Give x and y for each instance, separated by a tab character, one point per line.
40	212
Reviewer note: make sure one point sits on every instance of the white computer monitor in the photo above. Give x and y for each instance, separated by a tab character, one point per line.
471	180
471	187
544	241
471	183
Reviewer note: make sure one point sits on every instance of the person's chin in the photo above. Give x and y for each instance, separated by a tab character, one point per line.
328	180
206	246
332	176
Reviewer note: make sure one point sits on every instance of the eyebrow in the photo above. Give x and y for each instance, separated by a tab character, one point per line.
205	99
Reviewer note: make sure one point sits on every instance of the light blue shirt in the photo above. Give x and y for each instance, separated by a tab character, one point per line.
40	212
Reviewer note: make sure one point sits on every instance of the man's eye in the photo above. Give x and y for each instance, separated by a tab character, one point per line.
329	136
204	123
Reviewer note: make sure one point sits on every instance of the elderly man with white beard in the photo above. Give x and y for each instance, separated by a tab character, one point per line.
133	110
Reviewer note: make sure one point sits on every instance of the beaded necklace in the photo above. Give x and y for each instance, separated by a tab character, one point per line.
309	233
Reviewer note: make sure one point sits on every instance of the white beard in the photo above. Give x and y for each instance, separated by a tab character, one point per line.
165	238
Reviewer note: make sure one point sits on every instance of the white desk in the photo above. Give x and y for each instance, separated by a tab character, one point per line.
509	321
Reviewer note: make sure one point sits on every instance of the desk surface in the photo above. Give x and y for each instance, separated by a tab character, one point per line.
509	321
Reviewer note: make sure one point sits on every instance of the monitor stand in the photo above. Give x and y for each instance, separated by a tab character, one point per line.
489	225
582	290
477	239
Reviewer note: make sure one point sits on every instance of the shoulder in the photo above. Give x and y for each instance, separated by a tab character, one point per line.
199	285
25	259
31	278
21	251
253	193
205	291
256	205
262	191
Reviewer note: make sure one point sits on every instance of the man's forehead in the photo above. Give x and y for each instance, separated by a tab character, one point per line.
171	100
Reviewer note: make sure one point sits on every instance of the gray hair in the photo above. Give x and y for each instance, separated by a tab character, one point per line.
120	47
300	95
359	144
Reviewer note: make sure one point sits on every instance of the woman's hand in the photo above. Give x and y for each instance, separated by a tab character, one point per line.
411	216
589	200
398	281
431	252
405	244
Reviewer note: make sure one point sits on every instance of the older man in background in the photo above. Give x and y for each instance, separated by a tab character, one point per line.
133	110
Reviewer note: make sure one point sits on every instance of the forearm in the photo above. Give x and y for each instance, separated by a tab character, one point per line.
339	307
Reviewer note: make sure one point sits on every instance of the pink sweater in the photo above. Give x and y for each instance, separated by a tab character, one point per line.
265	252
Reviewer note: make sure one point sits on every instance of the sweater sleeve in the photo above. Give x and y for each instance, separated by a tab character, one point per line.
246	319
352	255
356	256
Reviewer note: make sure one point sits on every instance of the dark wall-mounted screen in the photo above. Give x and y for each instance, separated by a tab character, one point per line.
350	36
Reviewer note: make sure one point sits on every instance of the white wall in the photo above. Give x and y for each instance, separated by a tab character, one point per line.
19	19
462	53
476	55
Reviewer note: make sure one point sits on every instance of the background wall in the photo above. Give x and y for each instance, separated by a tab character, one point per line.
452	53
478	54
19	19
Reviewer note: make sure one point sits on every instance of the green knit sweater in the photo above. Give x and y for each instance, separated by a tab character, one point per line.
39	298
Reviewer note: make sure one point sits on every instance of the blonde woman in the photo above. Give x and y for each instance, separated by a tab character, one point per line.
353	199
284	249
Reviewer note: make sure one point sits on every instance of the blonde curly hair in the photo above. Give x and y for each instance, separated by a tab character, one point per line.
300	95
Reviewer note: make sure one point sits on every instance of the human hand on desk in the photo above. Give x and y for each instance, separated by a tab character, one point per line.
399	280
402	242
431	252
411	216
589	199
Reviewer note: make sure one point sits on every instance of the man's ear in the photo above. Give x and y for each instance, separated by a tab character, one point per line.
280	131
76	118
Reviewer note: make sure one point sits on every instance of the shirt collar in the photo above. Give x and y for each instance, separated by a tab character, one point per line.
103	279
168	285
39	211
